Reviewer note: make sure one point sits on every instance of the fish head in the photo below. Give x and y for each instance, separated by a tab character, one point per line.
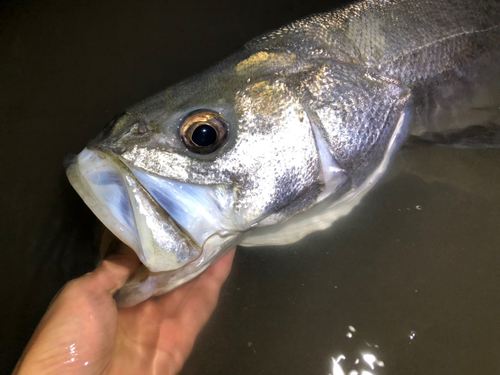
181	201
182	176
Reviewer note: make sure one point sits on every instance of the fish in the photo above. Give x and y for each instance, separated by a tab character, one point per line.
287	135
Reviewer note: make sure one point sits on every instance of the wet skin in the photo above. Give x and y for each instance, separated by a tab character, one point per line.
83	332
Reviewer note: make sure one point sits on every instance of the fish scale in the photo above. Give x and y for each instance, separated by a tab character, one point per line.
310	116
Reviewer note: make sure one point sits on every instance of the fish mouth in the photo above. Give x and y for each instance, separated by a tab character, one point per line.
167	223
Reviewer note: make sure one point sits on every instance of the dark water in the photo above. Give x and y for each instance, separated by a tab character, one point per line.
419	257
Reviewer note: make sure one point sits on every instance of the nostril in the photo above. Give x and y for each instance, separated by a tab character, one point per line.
141	129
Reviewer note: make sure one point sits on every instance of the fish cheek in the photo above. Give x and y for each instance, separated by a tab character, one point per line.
275	154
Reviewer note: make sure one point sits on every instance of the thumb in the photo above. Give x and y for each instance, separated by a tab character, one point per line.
115	269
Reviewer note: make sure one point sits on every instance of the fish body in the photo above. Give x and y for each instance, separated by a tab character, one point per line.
288	134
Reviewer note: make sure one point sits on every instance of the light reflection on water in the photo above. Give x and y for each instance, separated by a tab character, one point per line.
360	357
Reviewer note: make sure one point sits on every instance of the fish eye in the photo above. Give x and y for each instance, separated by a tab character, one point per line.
204	131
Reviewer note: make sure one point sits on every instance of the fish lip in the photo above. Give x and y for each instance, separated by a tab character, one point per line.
128	234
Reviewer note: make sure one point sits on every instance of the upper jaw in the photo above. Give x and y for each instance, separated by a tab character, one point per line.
167	223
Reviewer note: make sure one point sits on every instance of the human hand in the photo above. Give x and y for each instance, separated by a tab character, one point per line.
83	332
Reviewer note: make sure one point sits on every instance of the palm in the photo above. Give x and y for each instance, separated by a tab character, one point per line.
163	329
83	331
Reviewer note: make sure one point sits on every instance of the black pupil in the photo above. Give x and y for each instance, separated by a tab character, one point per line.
204	135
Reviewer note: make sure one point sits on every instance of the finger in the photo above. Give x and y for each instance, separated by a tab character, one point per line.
195	302
213	277
204	294
115	270
220	270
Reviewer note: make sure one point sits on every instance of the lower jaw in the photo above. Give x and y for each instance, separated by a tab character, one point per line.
147	284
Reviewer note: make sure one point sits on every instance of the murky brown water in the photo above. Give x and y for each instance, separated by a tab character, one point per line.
418	258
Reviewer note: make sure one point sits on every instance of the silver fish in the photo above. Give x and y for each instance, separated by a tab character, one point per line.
287	135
